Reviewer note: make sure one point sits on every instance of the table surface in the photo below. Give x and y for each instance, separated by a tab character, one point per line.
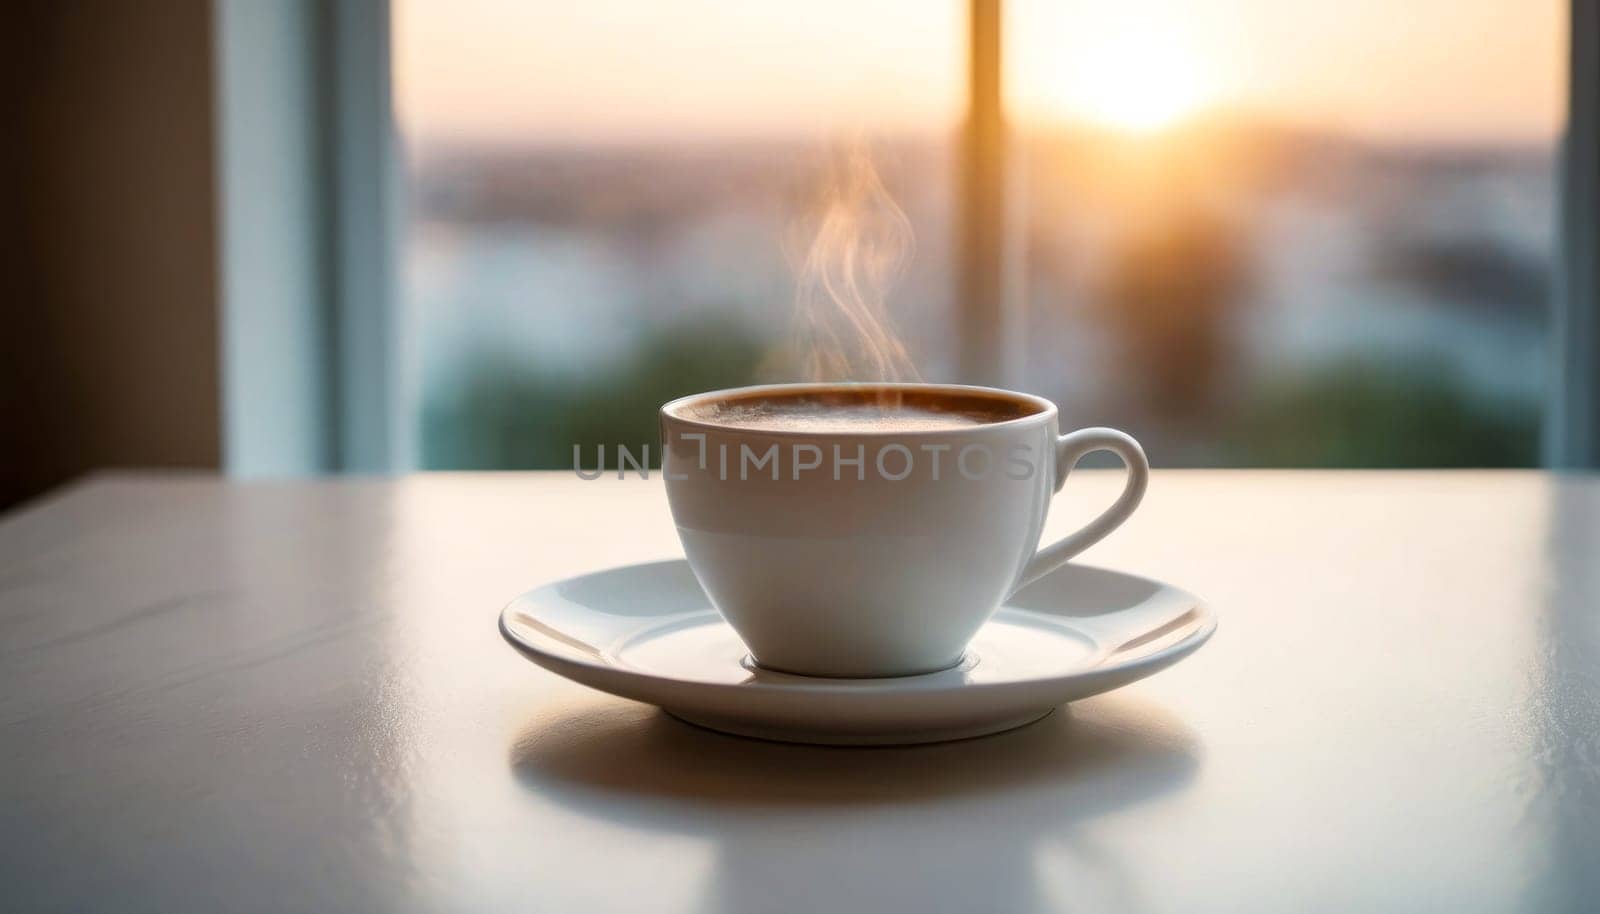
292	696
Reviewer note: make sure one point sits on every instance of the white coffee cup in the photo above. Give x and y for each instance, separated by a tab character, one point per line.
874	551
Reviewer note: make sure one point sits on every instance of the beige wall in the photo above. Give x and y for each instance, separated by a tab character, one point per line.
108	327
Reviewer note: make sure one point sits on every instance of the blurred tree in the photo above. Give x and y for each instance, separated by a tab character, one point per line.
510	415
1167	298
1370	414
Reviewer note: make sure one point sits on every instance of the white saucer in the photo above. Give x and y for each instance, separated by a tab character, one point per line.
648	632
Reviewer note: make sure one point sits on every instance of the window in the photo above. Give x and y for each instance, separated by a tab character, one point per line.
611	200
1275	234
1251	233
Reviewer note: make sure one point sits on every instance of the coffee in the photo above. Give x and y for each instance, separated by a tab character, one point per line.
803	417
857	410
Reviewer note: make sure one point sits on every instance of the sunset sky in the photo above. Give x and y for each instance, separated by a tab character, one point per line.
535	71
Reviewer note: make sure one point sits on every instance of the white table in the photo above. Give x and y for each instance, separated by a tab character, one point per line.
291	696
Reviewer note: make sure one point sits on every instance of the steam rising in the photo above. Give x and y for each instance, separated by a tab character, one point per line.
852	250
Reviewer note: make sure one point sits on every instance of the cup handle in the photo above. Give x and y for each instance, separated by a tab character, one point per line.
1069	450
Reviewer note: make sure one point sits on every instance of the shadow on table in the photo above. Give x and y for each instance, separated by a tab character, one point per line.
978	824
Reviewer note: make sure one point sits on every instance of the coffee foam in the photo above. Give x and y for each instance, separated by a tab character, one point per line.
858	413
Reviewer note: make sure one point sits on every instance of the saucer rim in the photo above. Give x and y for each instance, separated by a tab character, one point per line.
562	664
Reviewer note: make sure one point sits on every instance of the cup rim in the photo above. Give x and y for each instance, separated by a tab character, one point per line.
672	409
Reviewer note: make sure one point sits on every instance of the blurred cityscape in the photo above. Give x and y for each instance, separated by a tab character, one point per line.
1232	293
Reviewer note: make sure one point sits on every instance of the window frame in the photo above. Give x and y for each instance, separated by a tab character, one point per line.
1572	419
316	371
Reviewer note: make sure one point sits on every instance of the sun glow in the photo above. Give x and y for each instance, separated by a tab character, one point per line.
1133	79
